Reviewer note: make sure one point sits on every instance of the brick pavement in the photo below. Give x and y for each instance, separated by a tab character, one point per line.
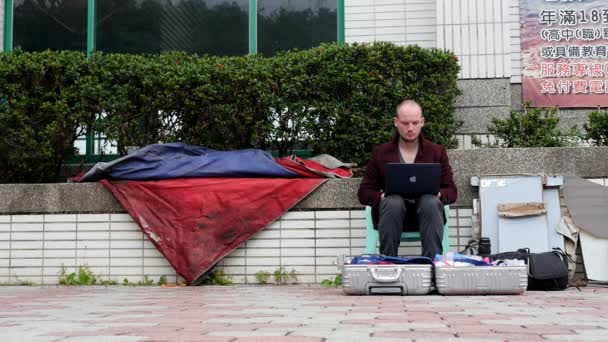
295	313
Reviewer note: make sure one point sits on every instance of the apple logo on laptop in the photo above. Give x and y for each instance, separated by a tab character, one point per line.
413	179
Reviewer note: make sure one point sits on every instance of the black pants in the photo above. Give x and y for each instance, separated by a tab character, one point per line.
430	214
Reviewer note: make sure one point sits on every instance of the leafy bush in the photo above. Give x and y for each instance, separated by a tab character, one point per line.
535	127
337	99
597	128
358	87
40	114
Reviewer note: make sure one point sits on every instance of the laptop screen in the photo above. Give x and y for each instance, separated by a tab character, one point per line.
412	180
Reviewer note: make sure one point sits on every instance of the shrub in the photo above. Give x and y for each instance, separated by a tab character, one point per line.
597	128
535	127
41	111
337	99
359	86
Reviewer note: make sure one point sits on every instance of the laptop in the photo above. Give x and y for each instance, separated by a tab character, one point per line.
412	180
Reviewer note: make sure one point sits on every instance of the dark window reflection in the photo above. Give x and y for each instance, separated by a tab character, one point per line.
289	24
45	24
217	27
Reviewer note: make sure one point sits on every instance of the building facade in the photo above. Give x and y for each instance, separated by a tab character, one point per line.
484	35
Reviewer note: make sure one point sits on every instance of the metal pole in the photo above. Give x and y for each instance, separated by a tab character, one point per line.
253	27
8	25
340	21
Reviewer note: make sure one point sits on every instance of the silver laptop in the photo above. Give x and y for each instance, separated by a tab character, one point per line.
412	180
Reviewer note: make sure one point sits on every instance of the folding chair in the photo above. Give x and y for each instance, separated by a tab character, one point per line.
371	235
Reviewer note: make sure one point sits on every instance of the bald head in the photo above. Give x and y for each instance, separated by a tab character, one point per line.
409	121
409	106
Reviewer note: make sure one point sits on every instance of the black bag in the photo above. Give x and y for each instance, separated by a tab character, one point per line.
470	248
480	247
547	271
520	254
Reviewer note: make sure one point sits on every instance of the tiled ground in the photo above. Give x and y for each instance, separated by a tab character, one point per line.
295	313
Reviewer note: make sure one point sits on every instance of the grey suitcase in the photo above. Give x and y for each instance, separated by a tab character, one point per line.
386	279
481	280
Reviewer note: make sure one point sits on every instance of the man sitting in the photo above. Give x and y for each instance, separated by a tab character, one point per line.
389	212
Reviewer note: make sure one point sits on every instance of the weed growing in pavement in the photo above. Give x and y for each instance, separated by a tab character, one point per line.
146	282
107	282
26	283
162	280
281	276
217	277
336	282
262	277
84	276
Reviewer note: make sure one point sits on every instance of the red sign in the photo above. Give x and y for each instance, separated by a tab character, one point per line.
564	48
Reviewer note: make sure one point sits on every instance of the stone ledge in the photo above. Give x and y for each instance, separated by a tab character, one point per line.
335	193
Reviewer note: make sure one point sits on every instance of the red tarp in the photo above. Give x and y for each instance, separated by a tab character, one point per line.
311	169
195	222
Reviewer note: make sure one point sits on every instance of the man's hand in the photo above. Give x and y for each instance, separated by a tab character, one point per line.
439	194
382	196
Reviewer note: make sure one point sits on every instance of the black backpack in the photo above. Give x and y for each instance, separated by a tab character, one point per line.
547	271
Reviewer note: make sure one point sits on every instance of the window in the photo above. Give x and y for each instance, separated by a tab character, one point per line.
215	27
289	24
45	24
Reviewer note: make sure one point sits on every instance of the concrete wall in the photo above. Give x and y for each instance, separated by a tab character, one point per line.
591	162
45	226
485	99
34	248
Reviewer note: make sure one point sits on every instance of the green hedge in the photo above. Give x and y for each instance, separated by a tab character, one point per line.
336	99
41	107
597	127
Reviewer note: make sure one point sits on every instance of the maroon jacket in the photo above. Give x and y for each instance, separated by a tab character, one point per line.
428	152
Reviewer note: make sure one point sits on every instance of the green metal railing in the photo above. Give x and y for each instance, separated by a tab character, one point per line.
91	19
341	21
253	27
8	25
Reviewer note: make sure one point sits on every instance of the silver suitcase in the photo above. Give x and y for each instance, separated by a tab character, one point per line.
481	280
386	279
